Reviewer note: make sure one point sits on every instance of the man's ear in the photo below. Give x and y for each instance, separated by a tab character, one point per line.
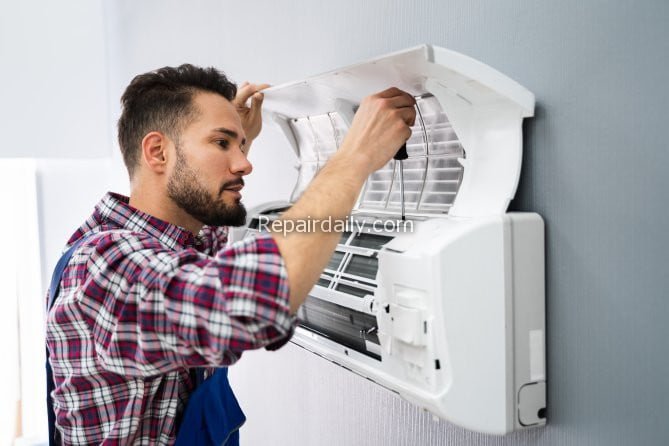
154	152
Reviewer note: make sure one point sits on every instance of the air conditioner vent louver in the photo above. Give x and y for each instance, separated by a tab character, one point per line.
335	261
348	327
362	266
354	273
353	290
372	241
325	280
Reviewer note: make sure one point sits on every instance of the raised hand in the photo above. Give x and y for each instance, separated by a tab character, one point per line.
250	114
381	126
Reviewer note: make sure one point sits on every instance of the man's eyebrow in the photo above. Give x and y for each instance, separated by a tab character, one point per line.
230	133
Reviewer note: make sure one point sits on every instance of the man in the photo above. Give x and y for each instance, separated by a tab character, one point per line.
154	291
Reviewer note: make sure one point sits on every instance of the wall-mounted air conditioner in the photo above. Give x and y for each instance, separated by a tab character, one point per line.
449	314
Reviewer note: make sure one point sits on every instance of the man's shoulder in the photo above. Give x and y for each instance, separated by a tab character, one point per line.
122	240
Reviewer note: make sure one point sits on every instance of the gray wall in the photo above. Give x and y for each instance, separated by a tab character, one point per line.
594	167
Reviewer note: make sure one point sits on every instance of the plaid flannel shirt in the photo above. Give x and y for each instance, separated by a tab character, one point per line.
140	304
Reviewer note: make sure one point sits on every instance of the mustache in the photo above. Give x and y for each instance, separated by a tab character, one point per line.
237	182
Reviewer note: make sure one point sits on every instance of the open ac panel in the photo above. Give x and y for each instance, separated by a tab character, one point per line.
449	314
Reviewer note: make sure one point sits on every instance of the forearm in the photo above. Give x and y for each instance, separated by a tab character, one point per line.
379	128
331	194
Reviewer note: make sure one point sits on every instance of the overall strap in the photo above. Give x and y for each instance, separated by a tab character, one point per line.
212	416
54	288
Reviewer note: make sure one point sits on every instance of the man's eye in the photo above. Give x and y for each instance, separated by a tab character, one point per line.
223	143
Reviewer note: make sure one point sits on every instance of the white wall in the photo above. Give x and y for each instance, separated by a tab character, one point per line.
53	106
19	266
53	79
67	192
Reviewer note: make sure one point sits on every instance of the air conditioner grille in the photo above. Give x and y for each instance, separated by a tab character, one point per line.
432	173
363	266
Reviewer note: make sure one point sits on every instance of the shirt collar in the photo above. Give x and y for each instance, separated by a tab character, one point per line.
115	209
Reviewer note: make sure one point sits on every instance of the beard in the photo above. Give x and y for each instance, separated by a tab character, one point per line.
184	188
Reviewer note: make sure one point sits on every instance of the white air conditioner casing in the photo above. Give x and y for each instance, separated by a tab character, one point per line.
451	314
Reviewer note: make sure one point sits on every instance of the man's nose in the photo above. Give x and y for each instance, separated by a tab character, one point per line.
240	164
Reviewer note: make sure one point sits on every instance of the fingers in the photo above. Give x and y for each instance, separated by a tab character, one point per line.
402	100
394	92
408	115
256	104
247	90
256	100
389	92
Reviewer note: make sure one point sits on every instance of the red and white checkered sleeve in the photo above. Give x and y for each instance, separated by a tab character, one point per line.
154	309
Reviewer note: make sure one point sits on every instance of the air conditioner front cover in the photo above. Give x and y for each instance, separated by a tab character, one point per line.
469	115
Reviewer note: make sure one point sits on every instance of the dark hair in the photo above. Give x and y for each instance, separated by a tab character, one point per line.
162	100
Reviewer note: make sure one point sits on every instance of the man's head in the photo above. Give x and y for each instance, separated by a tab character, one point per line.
181	136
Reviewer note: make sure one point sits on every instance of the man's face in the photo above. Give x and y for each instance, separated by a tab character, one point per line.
210	162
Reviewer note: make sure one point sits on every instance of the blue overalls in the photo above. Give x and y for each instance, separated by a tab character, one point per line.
212	416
